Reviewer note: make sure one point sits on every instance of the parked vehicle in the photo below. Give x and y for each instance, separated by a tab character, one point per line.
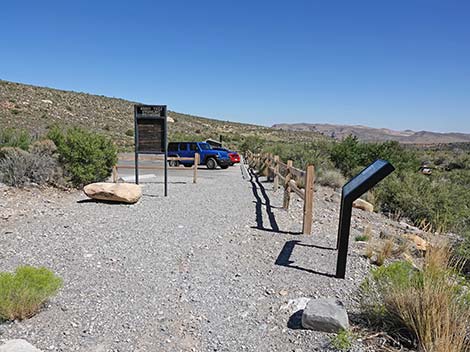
234	157
208	156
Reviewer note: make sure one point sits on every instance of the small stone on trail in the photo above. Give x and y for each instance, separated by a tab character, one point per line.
325	314
283	292
18	346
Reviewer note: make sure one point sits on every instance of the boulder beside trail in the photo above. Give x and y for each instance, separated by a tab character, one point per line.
325	314
114	192
363	205
420	243
18	346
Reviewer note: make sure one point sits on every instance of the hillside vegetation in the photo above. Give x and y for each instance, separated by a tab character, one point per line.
36	109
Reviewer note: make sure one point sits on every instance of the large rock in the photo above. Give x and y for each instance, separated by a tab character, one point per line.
362	204
420	243
18	346
325	314
115	192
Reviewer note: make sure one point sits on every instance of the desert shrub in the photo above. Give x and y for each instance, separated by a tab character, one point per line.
253	144
331	178
315	153
43	147
130	133
442	203
86	156
24	292
430	304
342	341
19	167
10	137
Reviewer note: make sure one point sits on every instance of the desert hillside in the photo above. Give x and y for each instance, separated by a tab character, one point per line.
35	109
369	134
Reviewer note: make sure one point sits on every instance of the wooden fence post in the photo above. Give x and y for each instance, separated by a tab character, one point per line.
308	200
115	174
276	173
196	164
268	167
286	186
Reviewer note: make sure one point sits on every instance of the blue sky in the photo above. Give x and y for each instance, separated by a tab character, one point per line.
397	64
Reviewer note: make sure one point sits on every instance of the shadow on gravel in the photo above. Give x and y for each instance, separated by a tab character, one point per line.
255	186
295	320
283	258
99	201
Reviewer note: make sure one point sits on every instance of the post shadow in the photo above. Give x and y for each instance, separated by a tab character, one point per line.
260	203
283	258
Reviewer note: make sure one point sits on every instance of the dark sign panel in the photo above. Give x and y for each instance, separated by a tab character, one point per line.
150	132
150	123
150	129
150	111
364	176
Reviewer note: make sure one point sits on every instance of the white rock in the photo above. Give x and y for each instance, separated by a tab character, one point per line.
47	101
325	314
18	346
362	204
116	192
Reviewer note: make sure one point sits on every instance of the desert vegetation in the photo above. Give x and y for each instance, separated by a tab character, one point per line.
23	292
425	306
440	201
71	157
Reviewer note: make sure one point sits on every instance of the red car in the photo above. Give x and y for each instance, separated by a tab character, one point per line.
234	157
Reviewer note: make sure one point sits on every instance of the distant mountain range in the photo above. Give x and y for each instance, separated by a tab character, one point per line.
370	134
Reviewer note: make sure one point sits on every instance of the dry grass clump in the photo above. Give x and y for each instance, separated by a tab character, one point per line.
366	235
379	252
432	304
330	178
24	292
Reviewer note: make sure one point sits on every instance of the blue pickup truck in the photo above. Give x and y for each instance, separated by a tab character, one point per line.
209	157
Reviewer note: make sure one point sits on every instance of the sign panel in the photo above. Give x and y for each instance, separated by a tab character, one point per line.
154	111
150	135
363	176
150	125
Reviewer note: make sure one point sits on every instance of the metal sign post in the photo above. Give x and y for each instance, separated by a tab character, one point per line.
150	136
358	185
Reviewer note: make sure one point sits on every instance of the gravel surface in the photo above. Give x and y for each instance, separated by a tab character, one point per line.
215	266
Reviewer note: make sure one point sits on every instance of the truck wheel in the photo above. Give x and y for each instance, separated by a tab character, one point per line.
224	167
211	163
174	163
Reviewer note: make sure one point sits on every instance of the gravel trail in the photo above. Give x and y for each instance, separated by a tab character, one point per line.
211	267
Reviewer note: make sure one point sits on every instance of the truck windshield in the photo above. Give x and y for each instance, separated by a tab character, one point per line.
205	146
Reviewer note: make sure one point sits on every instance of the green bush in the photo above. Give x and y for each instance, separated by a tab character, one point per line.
23	293
86	156
11	137
130	133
